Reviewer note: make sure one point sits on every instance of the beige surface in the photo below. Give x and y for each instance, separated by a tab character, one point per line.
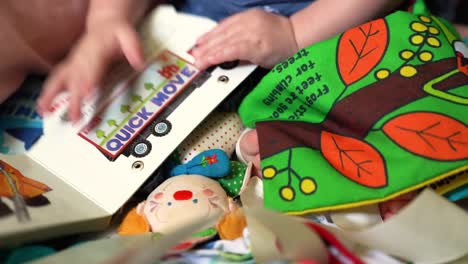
139	249
279	237
429	230
67	210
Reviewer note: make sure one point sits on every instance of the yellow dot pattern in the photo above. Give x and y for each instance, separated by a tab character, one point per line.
425	56
406	54
269	173
425	19
417	40
287	193
418	27
382	74
308	186
433	31
408	71
434	42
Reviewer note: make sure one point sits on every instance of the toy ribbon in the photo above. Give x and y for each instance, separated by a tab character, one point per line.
213	163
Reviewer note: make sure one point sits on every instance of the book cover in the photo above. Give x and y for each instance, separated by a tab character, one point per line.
84	172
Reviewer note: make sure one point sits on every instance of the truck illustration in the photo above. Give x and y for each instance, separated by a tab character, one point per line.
140	109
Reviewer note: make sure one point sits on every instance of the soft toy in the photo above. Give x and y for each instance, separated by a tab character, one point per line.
185	198
179	200
220	130
212	163
232	175
366	116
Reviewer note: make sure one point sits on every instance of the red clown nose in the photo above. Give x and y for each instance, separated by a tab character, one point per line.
182	195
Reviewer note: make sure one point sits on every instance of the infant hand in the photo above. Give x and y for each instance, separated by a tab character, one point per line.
255	35
81	72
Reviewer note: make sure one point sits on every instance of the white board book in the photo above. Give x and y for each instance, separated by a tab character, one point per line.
90	169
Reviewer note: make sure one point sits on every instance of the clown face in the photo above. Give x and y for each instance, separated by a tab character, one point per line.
181	200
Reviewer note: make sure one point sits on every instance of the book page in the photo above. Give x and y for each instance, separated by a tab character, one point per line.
35	204
132	126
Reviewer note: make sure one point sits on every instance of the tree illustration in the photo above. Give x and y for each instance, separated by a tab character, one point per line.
341	137
425	34
365	116
149	86
100	133
125	109
112	122
137	98
342	144
431	135
360	49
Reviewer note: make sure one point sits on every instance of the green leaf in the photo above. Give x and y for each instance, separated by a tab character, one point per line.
149	86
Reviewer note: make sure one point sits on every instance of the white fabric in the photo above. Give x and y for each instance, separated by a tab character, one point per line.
357	218
238	151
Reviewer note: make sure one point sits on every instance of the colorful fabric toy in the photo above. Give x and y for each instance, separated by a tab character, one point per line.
236	181
387	117
219	251
177	201
213	163
231	226
219	130
186	197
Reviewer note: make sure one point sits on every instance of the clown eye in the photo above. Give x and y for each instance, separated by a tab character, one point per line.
195	201
169	203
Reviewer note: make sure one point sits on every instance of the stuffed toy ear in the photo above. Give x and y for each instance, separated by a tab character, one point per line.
232	225
133	224
213	163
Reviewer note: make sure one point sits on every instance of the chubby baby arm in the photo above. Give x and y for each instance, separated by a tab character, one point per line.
109	35
266	39
254	35
326	18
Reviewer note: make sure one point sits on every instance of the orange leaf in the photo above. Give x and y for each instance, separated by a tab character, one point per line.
430	135
134	224
5	189
26	186
355	159
360	49
30	188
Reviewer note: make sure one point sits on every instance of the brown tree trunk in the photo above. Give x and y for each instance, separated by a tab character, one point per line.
356	114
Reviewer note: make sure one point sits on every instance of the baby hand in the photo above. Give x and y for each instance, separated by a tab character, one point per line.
255	35
81	72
